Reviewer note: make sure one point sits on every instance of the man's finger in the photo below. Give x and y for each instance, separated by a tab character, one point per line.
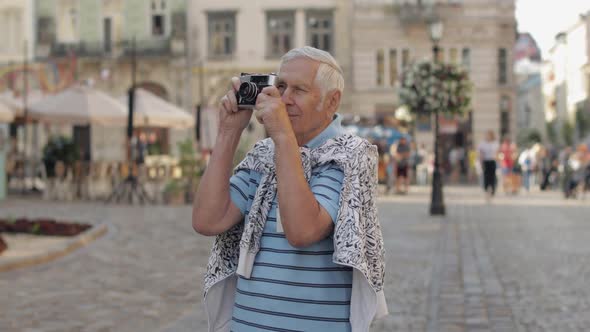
258	116
235	82
271	91
226	104
231	96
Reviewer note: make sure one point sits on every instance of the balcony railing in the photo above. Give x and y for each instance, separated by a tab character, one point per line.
81	49
149	47
421	11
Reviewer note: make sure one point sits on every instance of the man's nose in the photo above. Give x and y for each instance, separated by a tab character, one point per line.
286	96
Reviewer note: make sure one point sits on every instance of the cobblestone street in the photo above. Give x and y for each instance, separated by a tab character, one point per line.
520	263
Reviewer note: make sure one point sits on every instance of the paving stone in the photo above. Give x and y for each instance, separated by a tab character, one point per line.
519	264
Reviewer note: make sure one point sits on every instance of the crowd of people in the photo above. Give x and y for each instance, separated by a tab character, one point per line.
547	166
402	163
491	164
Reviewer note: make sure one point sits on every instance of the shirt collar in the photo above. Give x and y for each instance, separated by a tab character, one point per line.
333	130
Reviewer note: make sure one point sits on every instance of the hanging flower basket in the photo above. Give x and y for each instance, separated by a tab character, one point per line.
426	86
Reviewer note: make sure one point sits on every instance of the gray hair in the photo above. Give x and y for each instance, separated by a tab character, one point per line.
329	75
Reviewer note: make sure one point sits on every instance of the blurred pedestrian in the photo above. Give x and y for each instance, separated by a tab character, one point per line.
488	153
415	160
402	165
527	163
474	168
422	165
547	168
507	156
3	177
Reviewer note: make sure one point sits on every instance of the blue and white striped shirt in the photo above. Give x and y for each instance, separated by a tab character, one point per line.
294	289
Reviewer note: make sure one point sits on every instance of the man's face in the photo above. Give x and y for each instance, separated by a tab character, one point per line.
302	98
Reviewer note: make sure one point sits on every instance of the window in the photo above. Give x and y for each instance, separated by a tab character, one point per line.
453	55
222	33
380	67
320	30
440	56
67	21
502	66
280	32
392	67
157	25
158	17
405	58
11	25
466	58
504	115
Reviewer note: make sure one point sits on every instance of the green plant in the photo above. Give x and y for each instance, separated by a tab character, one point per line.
527	137
173	186
59	148
192	167
568	133
582	122
426	87
551	133
36	229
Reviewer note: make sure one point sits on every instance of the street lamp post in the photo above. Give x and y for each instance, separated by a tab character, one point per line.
437	206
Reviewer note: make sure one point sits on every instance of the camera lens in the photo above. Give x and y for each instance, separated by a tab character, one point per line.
248	91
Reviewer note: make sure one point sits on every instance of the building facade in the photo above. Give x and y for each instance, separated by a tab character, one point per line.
530	104
103	39
478	35
566	83
16	24
102	36
229	37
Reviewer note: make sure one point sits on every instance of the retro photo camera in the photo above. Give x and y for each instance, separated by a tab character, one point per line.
250	87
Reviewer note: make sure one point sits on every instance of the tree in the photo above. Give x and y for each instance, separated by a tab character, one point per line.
529	136
582	122
568	133
551	133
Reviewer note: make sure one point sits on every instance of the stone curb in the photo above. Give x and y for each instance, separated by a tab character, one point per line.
57	251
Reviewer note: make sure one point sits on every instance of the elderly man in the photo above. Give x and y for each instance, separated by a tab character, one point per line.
298	244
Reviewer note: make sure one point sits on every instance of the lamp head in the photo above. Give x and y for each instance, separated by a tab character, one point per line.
436	30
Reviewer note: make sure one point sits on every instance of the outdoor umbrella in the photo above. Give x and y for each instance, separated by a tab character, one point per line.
80	105
6	114
151	110
17	104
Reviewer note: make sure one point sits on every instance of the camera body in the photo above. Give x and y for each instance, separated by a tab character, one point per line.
250	87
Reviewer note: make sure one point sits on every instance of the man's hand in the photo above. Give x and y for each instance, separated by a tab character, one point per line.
232	119
272	113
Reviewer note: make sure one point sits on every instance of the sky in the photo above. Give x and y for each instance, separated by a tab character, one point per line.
543	19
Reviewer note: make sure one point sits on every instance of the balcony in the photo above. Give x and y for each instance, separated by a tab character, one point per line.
156	47
424	11
81	49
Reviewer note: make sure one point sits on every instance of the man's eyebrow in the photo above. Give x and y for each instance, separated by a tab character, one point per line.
296	84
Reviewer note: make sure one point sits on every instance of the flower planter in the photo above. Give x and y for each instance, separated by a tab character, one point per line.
42	226
2	245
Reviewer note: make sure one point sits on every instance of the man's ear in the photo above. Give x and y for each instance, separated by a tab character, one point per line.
332	101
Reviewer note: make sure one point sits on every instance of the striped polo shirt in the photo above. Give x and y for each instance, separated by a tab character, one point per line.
294	289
